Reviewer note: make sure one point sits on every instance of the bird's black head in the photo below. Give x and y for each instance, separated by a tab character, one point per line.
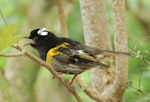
43	40
37	34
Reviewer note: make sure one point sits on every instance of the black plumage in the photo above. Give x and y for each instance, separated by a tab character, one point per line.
67	55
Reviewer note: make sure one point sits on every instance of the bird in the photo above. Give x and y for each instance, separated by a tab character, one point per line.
65	55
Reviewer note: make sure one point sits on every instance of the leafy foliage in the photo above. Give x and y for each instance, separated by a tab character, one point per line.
8	36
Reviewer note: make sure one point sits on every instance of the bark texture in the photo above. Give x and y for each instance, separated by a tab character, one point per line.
121	76
96	32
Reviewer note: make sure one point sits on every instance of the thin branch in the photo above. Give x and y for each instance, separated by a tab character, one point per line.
12	54
62	18
141	57
43	63
138	89
139	43
140	80
4	19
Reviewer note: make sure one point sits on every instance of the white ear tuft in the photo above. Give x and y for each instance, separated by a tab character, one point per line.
43	32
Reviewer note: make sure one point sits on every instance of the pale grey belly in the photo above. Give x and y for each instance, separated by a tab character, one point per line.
67	68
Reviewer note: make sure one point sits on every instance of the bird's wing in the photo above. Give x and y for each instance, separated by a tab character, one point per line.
78	57
92	50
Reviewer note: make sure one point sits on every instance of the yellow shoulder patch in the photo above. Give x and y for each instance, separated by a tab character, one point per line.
54	51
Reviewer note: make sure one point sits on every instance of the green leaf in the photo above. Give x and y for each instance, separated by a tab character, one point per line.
7	36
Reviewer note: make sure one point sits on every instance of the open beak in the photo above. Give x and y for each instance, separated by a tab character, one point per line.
31	42
26	37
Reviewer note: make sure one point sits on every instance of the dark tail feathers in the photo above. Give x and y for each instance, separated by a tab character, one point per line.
113	53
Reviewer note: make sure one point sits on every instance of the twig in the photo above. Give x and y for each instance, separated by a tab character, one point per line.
138	43
62	18
43	63
141	57
138	89
4	19
12	54
140	80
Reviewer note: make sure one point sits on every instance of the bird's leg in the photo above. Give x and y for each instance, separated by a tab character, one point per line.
72	80
60	76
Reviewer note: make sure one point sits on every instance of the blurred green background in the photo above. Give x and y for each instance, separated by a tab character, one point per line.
31	14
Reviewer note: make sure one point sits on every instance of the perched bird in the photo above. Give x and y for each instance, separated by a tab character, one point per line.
66	55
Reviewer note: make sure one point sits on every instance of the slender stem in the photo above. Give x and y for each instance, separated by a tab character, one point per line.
62	18
139	90
4	19
12	54
140	80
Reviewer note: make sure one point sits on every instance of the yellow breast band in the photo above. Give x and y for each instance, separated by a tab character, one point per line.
54	51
